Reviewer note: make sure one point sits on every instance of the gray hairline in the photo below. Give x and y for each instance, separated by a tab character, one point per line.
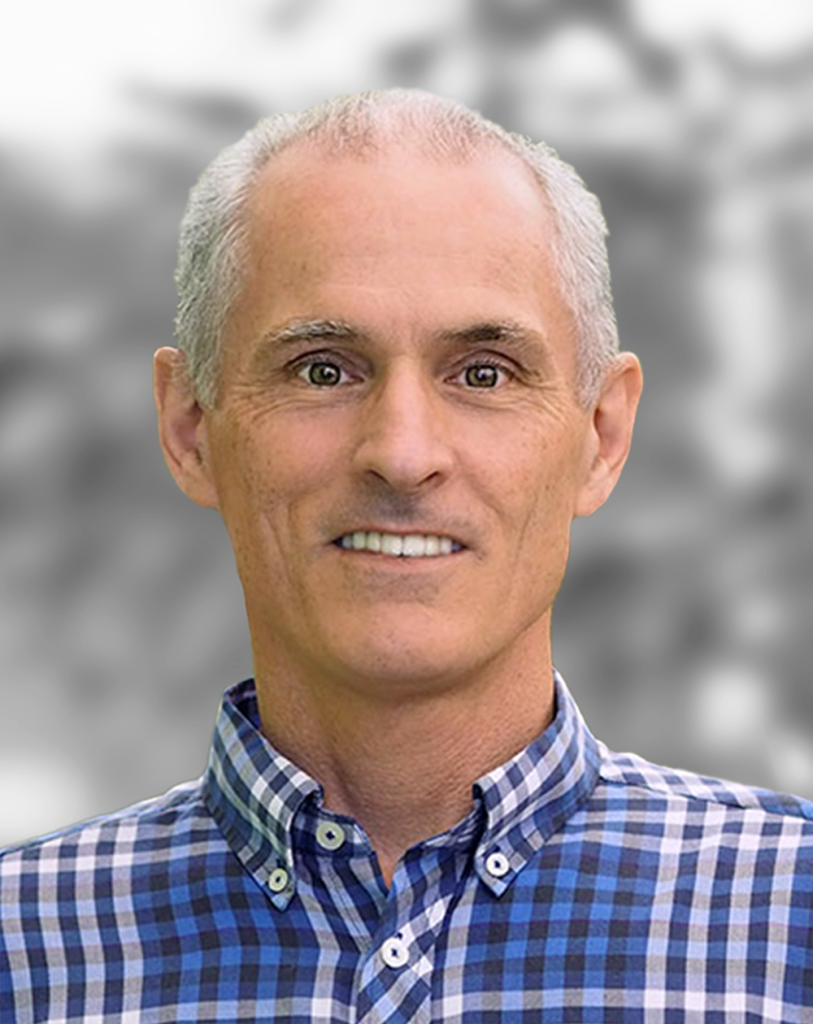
214	233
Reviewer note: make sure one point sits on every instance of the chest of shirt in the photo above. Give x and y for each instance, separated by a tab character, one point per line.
586	931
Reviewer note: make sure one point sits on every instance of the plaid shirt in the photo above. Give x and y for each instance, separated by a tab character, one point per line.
584	886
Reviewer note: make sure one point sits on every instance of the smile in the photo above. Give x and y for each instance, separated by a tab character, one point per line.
412	545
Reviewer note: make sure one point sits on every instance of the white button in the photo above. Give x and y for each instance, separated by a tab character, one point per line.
329	835
394	952
277	880
497	865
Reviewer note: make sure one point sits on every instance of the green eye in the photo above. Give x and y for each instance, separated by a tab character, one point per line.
322	374
482	375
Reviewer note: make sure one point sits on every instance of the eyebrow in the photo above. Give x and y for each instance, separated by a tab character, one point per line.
293	333
511	333
298	332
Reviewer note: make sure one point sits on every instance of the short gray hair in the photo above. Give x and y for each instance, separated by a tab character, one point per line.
213	245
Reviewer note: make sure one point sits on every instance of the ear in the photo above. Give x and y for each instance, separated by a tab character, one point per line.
182	428
610	431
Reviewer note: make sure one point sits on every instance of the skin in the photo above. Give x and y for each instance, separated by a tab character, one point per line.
398	682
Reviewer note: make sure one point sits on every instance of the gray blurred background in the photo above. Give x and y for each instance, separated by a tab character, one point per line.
684	627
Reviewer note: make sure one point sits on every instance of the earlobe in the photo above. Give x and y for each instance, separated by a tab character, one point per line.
611	431
182	428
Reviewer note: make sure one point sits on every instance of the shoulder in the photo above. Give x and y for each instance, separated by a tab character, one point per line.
84	909
643	777
687	811
145	833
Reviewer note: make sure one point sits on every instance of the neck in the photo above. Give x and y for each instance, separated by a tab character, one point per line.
404	768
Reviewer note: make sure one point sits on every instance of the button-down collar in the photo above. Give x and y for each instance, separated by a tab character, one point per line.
255	793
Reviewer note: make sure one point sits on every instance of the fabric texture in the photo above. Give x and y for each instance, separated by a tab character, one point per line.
584	886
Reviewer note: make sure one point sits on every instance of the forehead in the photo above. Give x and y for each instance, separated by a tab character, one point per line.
421	239
402	195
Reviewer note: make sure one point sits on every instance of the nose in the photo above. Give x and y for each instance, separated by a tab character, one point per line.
404	436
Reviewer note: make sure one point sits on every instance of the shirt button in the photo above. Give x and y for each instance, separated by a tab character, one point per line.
394	952
329	835
497	865
277	880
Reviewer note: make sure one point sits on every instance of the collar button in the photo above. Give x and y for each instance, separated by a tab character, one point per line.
278	880
329	835
497	865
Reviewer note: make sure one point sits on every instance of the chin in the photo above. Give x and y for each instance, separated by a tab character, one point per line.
404	660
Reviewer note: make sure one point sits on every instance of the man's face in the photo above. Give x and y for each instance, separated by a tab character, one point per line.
399	363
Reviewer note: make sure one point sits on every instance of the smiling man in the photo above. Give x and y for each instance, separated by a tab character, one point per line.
398	380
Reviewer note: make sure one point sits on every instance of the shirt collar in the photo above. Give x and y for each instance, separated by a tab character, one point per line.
255	792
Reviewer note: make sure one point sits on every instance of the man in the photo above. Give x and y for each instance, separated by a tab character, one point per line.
399	382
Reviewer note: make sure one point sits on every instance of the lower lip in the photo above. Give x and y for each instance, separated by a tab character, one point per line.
399	562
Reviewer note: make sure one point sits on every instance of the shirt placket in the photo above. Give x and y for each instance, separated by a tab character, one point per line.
395	976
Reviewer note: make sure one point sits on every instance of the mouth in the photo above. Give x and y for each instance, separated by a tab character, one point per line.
399	545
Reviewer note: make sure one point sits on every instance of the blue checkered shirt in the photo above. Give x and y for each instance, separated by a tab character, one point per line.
583	886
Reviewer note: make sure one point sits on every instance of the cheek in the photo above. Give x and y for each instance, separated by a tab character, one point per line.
241	468
540	485
266	479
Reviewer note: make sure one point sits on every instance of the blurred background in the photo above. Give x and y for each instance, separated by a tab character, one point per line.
684	626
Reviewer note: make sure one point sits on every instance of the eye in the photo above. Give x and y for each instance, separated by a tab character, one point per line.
484	375
321	372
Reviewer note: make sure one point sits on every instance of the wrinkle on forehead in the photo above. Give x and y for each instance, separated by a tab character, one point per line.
301	190
310	159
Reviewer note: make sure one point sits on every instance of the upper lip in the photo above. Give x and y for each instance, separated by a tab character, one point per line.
411	531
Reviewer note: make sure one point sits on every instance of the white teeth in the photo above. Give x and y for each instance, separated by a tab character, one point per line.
392	544
414	545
